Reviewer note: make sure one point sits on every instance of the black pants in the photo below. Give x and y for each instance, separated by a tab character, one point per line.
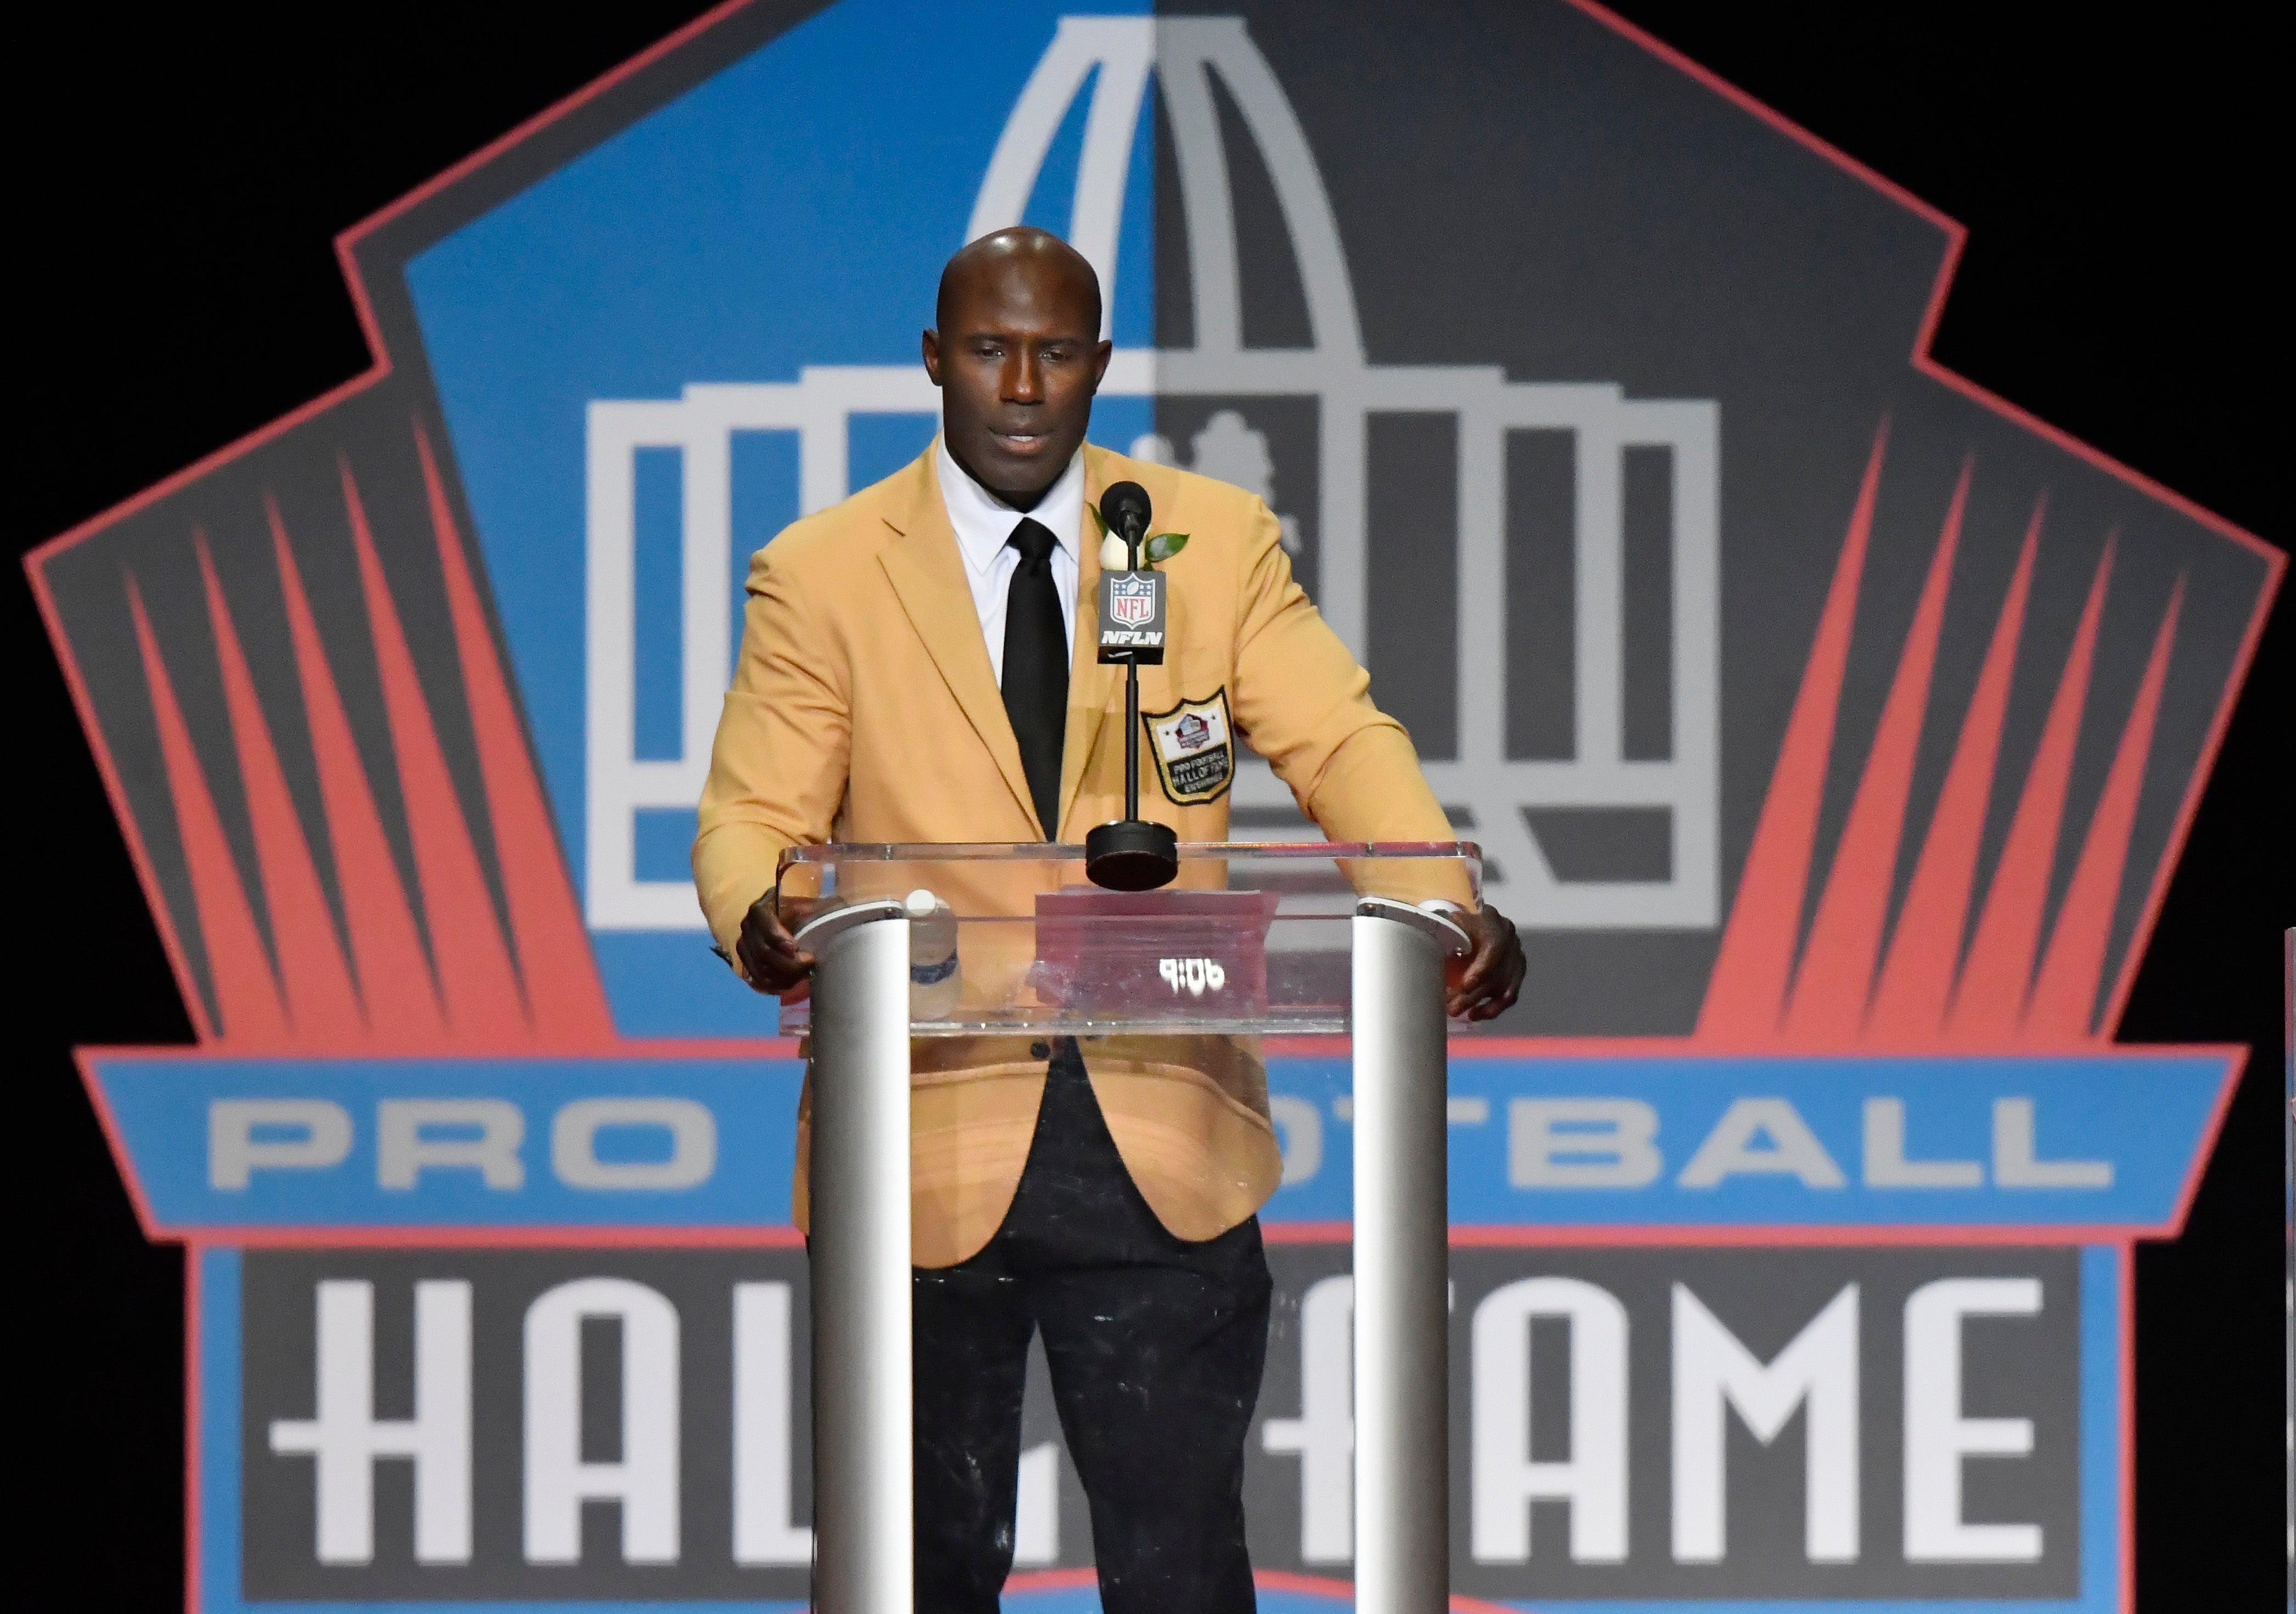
1155	1347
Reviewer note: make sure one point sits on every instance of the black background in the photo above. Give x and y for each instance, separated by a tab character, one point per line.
179	177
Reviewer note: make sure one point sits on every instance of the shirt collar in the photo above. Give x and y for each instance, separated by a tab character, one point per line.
984	523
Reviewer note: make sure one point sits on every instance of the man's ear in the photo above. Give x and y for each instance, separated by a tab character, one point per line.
1100	357
932	346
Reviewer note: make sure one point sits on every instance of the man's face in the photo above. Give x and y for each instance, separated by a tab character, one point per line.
1017	360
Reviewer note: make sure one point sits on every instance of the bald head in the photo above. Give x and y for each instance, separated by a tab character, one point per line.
1022	249
1018	358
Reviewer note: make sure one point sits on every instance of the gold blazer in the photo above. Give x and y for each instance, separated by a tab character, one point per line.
864	708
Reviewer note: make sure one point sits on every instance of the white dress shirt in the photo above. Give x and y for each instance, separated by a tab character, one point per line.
984	526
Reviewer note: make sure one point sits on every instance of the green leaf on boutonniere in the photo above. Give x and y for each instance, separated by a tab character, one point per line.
1098	519
1164	546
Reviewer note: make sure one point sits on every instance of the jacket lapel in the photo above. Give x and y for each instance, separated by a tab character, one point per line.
927	576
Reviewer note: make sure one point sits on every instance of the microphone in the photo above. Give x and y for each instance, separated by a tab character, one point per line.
1124	506
1130	854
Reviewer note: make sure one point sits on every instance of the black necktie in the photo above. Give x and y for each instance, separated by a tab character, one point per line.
1036	668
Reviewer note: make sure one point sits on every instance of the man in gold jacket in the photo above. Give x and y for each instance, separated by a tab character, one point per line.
919	664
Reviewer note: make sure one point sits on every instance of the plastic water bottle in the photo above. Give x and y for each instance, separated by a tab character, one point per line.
934	981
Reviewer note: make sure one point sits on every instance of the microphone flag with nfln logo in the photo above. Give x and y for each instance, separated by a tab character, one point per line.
1132	617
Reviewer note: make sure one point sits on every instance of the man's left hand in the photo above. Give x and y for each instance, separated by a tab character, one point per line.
1486	987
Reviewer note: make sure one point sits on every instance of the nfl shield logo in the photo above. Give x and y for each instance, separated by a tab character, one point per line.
1131	601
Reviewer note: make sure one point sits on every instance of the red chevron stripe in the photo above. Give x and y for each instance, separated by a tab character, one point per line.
394	974
1990	1002
1845	938
475	980
1917	973
1747	989
322	1004
2063	1007
563	993
247	994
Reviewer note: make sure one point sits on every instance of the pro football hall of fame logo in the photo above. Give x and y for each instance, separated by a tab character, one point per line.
1831	728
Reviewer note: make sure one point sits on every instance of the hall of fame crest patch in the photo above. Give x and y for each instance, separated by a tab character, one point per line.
1194	747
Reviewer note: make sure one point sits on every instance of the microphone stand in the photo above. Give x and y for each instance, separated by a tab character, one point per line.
1132	705
1131	854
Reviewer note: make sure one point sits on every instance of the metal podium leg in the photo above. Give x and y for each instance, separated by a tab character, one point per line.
1402	1311
864	1548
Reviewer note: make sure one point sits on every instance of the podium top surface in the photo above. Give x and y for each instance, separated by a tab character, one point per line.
838	852
1014	940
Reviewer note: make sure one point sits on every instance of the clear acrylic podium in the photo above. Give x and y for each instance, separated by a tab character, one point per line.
1311	940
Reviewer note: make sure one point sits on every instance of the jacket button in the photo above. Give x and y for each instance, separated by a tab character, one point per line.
1040	1051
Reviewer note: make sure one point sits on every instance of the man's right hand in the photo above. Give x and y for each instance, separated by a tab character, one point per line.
770	956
